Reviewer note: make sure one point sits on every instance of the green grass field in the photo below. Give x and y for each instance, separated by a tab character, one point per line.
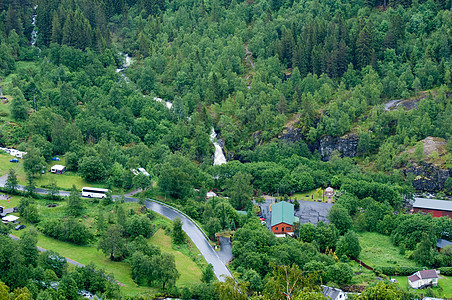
189	270
313	195
10	203
378	250
190	273
63	181
444	289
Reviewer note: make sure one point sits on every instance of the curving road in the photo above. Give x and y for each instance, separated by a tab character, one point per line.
188	226
194	233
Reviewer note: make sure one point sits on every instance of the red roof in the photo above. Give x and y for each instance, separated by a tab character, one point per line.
425	274
413	278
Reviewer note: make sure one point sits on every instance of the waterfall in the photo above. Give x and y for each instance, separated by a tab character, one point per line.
126	63
34	33
219	158
167	103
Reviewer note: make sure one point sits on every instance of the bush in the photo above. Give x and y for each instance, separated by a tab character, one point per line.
396	271
68	230
446	271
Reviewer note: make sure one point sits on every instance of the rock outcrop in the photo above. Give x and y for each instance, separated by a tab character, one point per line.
347	145
291	134
428	178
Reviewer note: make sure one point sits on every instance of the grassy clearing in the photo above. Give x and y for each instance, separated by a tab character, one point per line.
443	290
378	250
313	195
190	273
63	181
188	268
9	203
362	276
90	255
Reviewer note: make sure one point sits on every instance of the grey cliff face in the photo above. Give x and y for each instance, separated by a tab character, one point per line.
428	177
347	145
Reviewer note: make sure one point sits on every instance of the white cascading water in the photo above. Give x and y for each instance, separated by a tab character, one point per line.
167	103
34	33
219	158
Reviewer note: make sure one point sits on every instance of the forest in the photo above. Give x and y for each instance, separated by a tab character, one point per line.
301	95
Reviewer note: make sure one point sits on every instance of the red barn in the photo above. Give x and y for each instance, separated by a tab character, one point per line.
437	208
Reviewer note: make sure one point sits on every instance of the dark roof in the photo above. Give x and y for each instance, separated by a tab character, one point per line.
440	243
432	204
330	293
282	212
425	274
413	278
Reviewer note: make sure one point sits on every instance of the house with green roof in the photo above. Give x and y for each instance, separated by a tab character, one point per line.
282	214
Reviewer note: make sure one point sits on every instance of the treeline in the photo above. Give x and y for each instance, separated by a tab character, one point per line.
79	24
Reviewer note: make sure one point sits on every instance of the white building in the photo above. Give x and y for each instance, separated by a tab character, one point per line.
423	278
332	293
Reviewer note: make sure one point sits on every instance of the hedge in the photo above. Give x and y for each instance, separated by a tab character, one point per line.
396	271
406	271
446	271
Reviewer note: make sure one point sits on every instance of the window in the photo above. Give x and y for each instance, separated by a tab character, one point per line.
276	228
288	228
282	229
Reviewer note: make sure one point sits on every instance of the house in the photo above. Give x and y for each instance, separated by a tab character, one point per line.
441	243
437	208
332	293
58	169
282	217
423	278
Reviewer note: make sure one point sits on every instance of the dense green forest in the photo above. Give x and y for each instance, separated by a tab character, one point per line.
301	94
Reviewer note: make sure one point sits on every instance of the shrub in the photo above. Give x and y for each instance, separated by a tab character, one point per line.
396	271
446	271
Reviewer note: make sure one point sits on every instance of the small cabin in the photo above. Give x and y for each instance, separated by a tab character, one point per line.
282	217
58	169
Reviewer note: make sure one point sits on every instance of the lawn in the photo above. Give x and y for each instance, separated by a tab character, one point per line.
190	273
63	181
378	250
443	290
9	203
89	254
189	270
313	195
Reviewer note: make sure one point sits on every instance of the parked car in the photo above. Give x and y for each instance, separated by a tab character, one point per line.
56	158
14	160
19	227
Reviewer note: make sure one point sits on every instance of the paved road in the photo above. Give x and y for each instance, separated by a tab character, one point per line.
193	232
